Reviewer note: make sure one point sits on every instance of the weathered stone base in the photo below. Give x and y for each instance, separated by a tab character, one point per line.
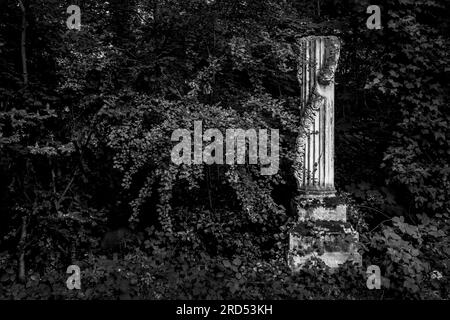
321	213
323	233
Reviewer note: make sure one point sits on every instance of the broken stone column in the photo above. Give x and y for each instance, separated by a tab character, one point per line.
322	230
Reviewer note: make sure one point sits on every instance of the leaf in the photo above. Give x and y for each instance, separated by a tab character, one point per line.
226	263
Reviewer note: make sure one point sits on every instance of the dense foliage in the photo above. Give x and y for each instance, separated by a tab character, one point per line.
85	124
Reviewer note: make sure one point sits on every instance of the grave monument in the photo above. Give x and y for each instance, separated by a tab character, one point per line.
322	230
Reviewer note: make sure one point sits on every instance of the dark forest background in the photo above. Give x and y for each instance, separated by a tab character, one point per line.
85	124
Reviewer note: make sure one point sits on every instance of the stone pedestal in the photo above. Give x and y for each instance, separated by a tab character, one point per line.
322	231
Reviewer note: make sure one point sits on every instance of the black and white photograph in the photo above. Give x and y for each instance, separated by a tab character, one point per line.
236	151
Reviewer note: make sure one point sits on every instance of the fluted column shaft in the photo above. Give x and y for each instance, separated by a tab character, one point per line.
316	67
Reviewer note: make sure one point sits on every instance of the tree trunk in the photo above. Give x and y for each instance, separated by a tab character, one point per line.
23	237
23	44
23	234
